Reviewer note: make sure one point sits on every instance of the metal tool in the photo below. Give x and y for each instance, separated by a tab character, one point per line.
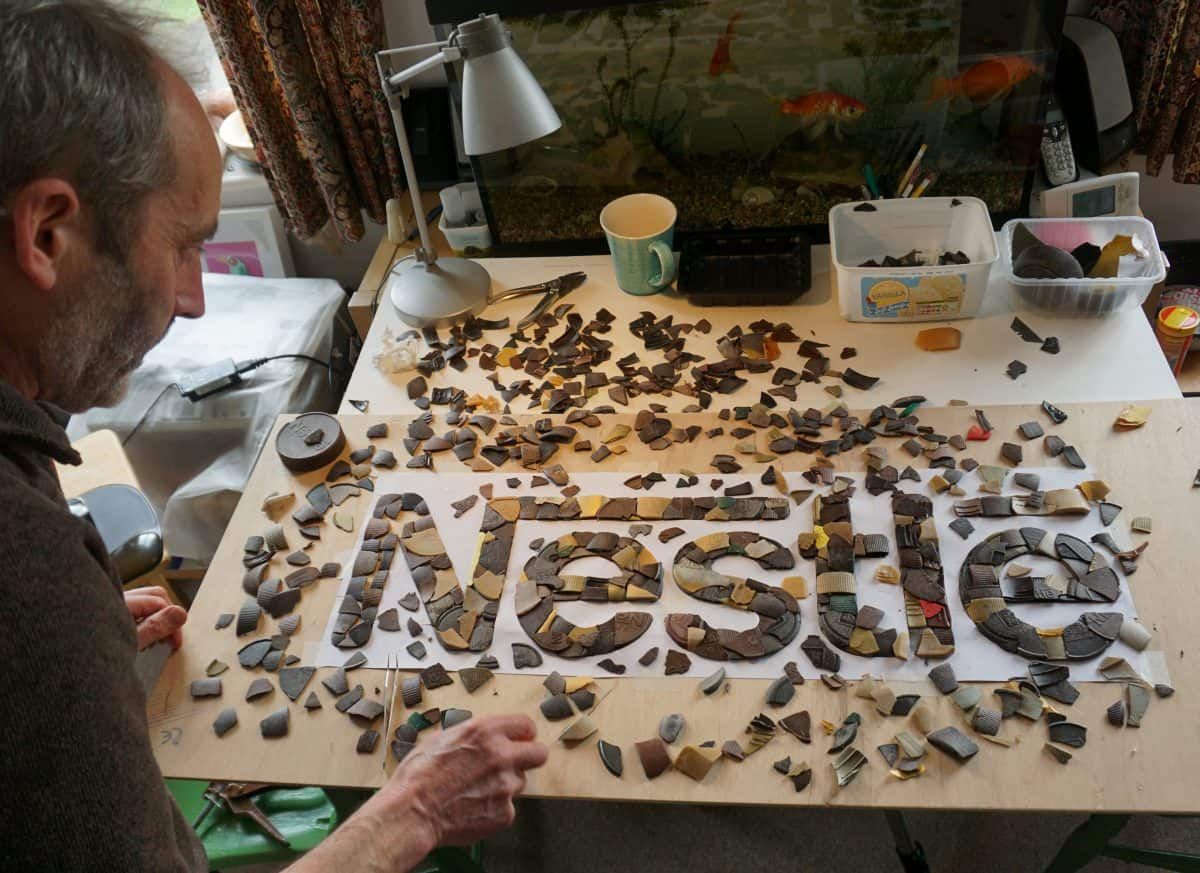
554	290
456	311
235	797
391	679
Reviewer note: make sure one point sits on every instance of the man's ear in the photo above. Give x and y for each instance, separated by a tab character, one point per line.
46	219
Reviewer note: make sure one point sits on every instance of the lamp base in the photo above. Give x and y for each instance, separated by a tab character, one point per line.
450	290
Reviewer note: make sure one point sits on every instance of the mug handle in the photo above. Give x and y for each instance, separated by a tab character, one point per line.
666	264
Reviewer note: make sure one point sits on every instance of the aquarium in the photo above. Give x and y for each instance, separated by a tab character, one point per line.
752	115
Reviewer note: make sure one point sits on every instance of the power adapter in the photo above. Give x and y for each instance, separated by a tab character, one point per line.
217	377
211	379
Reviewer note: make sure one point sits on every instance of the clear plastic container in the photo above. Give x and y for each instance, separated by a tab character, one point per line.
473	241
895	227
1136	276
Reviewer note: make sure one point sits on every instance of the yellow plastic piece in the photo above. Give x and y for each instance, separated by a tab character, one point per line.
795	586
862	642
452	639
695	762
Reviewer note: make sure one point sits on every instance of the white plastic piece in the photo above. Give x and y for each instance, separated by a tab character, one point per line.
396	230
276	502
397	355
1134	634
453	208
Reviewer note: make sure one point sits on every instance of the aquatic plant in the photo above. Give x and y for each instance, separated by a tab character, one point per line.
757	162
623	100
662	133
618	96
898	60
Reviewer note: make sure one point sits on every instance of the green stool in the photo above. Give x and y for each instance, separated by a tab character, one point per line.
1091	840
305	816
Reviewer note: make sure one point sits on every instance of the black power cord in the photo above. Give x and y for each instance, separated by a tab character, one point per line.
255	363
146	414
217	378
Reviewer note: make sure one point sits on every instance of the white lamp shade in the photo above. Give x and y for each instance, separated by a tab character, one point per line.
502	104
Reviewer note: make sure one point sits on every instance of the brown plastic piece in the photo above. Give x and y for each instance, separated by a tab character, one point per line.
654	757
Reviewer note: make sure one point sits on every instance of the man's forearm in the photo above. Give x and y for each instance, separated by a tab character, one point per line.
386	835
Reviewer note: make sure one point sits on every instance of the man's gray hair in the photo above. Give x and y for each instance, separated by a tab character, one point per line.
80	99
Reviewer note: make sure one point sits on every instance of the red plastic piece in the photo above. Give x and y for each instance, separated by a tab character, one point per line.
930	608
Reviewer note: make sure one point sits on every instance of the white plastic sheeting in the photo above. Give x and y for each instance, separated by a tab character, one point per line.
193	459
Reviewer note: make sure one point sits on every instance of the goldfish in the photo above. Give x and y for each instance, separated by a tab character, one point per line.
721	61
986	81
817	110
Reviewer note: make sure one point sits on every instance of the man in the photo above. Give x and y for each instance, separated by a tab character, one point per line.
109	184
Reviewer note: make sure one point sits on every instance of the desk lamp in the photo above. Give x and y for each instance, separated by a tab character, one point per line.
502	107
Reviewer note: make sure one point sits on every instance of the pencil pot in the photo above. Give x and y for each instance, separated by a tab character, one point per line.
911	259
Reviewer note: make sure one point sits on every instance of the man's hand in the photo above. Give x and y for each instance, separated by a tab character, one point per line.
452	789
155	616
462	781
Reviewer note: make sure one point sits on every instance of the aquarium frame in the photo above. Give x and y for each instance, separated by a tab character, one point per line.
445	14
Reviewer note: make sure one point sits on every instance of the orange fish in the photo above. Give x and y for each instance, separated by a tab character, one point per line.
829	105
721	61
820	110
985	81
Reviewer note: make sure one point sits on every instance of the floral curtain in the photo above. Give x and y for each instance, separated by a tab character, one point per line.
1160	41
303	73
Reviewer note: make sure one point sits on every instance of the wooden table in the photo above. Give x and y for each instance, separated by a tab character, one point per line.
1151	769
1102	359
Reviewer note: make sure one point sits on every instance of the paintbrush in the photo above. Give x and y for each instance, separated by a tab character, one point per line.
905	186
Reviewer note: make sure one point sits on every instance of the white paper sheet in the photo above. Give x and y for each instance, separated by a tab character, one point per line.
976	657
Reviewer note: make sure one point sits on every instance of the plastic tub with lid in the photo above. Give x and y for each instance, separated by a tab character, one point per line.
896	227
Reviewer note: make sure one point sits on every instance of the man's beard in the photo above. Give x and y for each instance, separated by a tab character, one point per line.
102	329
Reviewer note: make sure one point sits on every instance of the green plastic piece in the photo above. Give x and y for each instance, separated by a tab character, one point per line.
844	603
419	722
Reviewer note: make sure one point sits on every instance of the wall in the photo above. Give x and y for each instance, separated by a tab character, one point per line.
408	24
344	263
1174	208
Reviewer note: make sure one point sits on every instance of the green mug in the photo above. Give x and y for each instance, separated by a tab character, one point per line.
640	228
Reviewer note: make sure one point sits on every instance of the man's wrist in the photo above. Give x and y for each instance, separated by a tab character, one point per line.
402	809
385	834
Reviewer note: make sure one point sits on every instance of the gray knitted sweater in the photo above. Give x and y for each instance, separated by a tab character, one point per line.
79	787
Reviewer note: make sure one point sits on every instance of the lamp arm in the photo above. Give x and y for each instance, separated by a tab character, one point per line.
394	91
448	54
